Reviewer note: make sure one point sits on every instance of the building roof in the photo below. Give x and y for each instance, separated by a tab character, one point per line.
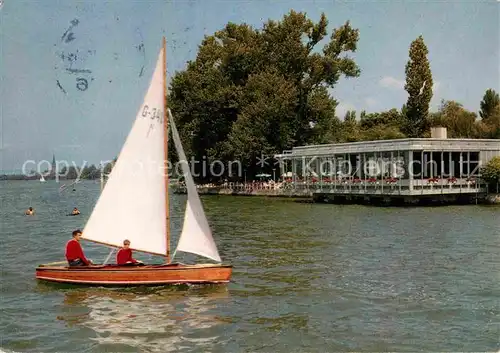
408	144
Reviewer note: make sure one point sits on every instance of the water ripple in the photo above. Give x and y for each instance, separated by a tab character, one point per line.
307	278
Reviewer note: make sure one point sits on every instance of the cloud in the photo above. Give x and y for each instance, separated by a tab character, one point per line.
436	84
371	102
391	82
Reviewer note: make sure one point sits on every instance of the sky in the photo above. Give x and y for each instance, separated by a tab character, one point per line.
81	109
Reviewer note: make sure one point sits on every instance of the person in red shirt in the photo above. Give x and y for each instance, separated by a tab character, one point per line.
74	251
124	256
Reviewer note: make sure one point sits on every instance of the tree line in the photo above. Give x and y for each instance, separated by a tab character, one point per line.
251	92
88	172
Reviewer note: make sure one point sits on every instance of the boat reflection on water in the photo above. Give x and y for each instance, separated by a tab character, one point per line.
161	320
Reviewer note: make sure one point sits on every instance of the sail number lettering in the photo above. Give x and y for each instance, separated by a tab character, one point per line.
153	114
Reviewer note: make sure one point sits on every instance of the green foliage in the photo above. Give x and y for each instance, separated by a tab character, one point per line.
324	126
253	91
419	87
90	172
267	120
462	123
491	172
391	118
350	117
108	167
490	115
459	122
373	126
383	133
489	106
351	131
72	173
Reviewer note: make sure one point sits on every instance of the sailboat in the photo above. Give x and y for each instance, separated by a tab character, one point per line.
42	179
134	205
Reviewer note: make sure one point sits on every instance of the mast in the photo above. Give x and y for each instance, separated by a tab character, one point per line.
165	145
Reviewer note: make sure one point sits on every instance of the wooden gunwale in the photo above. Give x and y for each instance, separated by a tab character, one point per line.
129	283
140	275
116	268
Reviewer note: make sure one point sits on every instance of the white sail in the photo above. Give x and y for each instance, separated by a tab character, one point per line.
42	179
196	236
132	205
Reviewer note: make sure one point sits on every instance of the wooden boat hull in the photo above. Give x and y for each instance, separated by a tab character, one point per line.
136	275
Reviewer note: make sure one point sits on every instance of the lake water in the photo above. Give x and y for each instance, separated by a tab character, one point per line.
306	278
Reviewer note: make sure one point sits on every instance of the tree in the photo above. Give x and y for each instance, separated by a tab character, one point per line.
490	115
381	132
263	126
381	126
350	116
384	119
490	103
419	87
89	172
350	127
72	173
245	81
324	126
108	167
491	128
491	172
460	122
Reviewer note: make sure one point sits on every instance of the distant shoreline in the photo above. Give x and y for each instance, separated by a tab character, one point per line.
36	178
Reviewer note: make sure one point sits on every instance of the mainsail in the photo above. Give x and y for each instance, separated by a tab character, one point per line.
132	204
196	236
